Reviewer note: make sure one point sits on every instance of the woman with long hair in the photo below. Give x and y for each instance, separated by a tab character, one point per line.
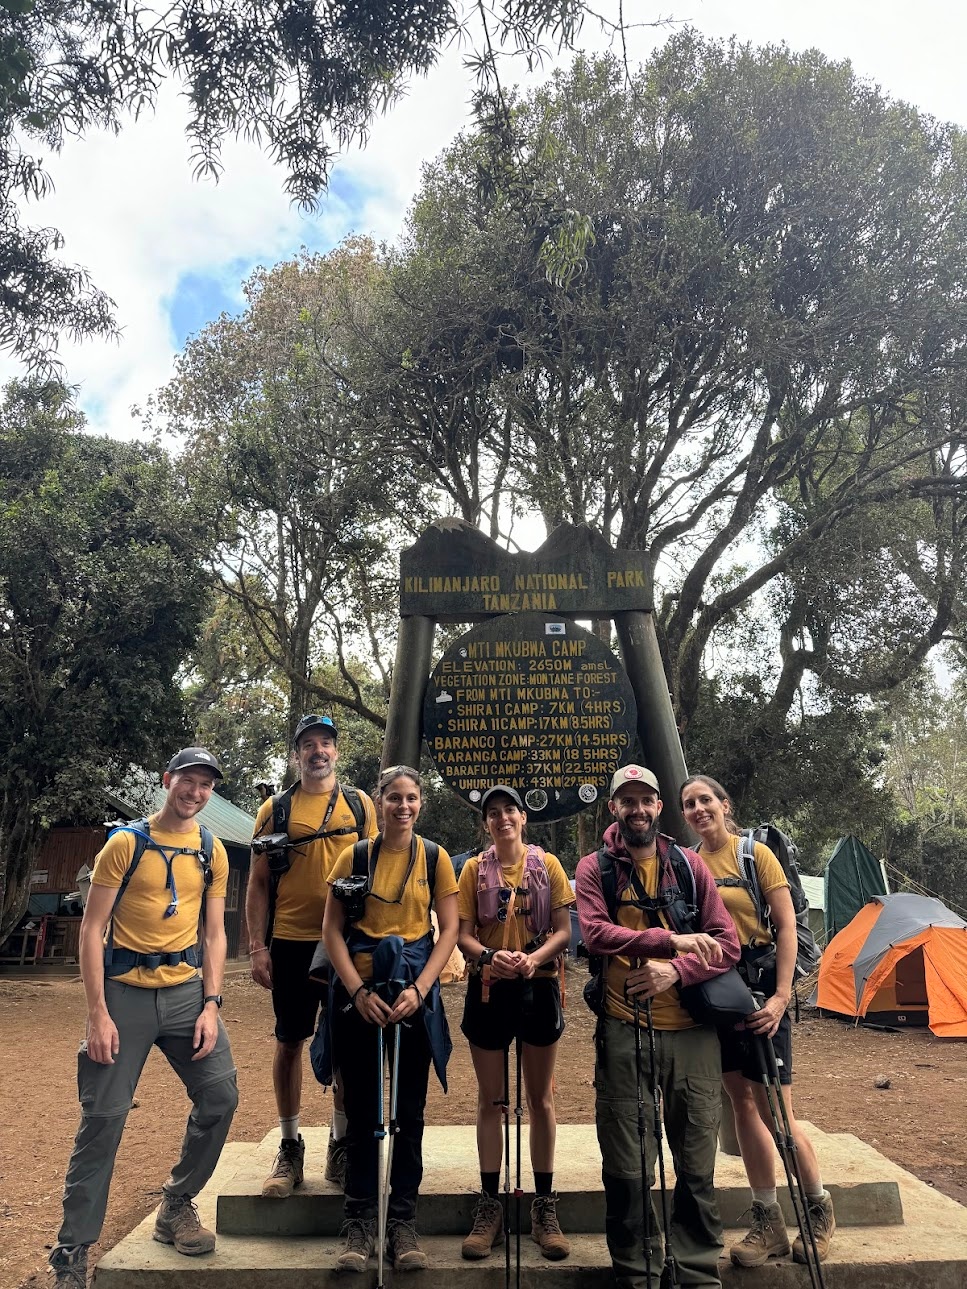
380	942
708	811
514	925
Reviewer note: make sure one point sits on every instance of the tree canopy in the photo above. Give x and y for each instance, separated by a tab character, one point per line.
101	591
303	78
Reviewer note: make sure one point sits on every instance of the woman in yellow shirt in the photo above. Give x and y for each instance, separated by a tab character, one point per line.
380	943
707	809
514	925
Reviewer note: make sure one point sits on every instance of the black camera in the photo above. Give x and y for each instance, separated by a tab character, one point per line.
351	892
275	847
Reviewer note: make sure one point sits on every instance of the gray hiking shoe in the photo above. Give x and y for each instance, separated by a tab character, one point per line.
336	1163
69	1267
404	1248
359	1242
823	1221
178	1223
766	1238
288	1171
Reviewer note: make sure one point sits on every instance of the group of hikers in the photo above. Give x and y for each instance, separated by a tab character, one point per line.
338	909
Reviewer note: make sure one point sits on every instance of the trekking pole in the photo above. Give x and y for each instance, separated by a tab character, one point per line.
381	1161
505	1108
669	1272
394	1083
518	1192
646	1214
786	1145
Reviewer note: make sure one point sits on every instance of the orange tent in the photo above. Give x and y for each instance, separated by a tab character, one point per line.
901	961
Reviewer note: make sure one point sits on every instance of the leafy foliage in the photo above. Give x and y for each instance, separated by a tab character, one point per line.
101	589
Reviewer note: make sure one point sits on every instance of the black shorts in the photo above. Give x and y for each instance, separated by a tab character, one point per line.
526	1009
739	1052
295	998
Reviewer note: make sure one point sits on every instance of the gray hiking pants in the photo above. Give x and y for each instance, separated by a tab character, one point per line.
688	1074
145	1018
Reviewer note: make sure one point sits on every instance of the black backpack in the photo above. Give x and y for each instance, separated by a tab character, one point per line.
679	903
282	809
785	850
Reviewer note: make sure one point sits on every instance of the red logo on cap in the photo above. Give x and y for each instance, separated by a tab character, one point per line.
632	772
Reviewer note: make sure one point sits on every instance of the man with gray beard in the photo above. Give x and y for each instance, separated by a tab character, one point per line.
627	895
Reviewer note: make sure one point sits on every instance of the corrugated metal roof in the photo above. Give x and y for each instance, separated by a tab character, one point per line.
814	888
226	821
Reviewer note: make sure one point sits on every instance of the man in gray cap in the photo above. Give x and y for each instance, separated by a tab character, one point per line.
631	907
284	905
148	985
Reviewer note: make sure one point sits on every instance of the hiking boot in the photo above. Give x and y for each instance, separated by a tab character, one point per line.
403	1247
823	1221
488	1227
766	1239
177	1223
336	1162
546	1229
360	1241
70	1267
288	1171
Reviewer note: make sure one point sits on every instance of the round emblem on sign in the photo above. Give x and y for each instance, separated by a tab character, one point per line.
587	793
535	800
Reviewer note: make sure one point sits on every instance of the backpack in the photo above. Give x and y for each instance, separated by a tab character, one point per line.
119	961
282	809
679	903
360	866
537	886
785	850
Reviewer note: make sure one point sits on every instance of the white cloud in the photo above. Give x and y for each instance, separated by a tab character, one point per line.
131	212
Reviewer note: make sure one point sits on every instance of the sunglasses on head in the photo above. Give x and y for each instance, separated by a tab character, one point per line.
320	720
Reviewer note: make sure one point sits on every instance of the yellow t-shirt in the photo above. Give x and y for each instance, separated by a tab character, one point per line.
666	1011
139	920
738	901
492	935
404	913
301	894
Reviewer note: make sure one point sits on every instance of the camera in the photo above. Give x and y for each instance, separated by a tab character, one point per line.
351	892
275	847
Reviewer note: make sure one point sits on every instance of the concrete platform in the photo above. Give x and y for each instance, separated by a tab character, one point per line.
904	1234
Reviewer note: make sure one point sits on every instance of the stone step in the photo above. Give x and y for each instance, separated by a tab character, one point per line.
860	1196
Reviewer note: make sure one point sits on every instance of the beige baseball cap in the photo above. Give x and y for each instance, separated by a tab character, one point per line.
633	774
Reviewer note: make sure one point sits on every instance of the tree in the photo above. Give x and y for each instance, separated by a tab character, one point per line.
101	590
750	362
304	506
304	78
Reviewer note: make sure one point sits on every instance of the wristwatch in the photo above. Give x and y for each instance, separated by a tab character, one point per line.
213	998
486	957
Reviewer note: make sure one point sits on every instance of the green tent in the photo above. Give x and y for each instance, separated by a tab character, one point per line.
853	877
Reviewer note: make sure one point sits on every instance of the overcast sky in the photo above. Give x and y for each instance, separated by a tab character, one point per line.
173	252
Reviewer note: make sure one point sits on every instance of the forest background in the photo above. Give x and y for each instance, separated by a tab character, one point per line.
715	307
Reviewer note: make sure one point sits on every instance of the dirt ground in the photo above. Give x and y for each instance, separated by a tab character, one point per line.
919	1121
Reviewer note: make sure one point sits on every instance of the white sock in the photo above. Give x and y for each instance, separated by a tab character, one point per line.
765	1195
290	1128
340	1125
815	1192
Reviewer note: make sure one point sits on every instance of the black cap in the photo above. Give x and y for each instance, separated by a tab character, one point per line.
325	724
192	756
508	792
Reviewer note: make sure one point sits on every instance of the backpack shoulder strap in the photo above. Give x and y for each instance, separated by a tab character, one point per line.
609	881
749	871
432	852
361	858
282	809
355	803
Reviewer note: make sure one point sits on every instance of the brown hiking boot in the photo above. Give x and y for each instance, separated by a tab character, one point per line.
766	1239
288	1171
360	1241
823	1221
488	1227
336	1162
177	1223
70	1267
403	1247
546	1229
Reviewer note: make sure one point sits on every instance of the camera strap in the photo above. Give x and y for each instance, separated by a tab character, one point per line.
371	869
